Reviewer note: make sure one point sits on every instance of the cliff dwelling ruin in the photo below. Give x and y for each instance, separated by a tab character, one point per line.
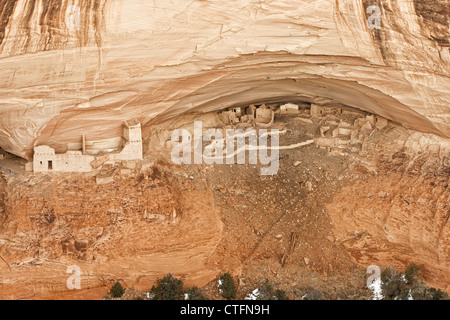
349	100
45	159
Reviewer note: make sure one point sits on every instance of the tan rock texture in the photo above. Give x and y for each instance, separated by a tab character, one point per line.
400	214
139	226
378	196
65	75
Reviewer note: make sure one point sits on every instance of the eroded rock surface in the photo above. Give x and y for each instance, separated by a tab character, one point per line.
141	224
366	192
155	60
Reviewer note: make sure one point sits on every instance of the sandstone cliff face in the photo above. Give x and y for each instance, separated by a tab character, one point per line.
376	195
73	67
148	221
400	214
65	74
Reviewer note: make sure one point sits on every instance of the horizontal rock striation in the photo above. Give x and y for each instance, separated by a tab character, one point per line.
65	74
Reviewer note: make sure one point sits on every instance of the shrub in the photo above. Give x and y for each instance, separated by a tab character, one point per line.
411	273
396	286
195	293
117	290
437	294
227	287
421	291
267	292
312	294
393	286
169	288
280	295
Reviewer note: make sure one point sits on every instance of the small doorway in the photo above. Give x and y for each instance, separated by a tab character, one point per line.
50	165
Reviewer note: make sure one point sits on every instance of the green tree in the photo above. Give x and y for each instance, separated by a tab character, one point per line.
411	273
117	290
169	288
195	293
227	287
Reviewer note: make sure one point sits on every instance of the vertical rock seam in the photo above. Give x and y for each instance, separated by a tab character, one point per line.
47	19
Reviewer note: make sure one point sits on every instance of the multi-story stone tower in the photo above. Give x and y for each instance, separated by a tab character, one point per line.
132	135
